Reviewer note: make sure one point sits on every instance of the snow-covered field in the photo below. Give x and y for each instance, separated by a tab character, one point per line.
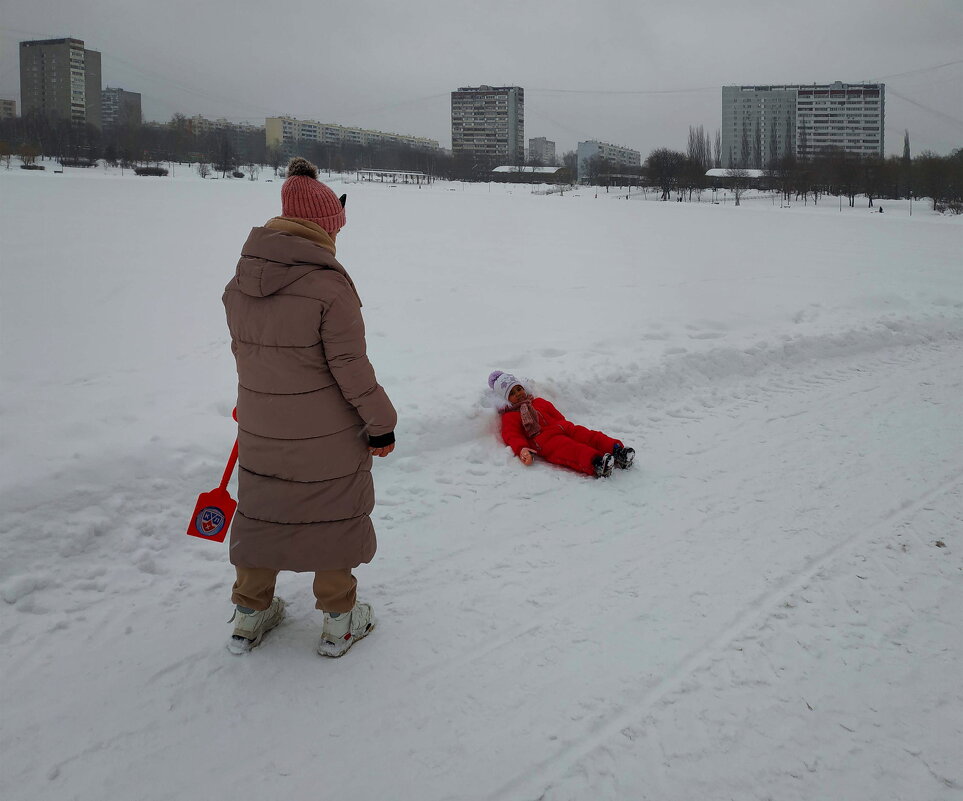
767	606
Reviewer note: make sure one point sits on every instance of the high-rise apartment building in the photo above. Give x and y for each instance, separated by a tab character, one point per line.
488	122
844	115
286	132
763	123
120	108
542	150
59	78
616	156
8	109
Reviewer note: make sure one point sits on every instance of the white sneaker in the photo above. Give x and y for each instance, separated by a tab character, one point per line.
249	629
339	634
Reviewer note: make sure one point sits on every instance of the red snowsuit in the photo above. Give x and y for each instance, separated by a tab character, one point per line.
560	441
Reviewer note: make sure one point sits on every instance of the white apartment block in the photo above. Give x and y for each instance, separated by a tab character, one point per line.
200	125
848	116
280	132
763	123
542	150
488	122
616	155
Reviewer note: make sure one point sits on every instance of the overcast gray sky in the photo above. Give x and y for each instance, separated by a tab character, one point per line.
631	73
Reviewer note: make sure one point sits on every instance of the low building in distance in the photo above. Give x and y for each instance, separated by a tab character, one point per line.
488	123
616	157
8	109
763	123
60	79
238	141
541	150
521	174
283	133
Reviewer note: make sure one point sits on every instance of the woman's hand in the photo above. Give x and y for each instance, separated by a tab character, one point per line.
527	456
381	451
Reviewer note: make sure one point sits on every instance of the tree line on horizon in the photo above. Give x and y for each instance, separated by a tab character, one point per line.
831	172
238	152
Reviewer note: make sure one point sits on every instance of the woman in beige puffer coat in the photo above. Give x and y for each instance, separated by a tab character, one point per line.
310	414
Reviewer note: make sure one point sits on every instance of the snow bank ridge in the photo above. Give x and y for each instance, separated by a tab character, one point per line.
685	373
708	377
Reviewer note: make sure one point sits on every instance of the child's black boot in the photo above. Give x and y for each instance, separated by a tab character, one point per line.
623	456
603	464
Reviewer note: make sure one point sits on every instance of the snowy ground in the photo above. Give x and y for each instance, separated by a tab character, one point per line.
767	606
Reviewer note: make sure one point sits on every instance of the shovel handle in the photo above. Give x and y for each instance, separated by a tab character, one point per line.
229	470
232	461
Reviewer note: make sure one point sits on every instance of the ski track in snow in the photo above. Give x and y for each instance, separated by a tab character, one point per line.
633	719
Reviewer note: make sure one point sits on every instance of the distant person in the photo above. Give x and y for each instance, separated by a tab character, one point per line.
310	416
533	427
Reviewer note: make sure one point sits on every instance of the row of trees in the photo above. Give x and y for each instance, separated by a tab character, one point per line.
833	172
227	149
36	135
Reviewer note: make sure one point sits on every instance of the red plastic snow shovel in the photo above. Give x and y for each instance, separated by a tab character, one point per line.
214	510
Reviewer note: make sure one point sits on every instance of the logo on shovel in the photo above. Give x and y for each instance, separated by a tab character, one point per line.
210	520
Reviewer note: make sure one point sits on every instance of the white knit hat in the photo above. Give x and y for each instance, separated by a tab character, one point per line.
503	383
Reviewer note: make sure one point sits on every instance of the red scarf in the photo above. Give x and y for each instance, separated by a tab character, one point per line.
529	417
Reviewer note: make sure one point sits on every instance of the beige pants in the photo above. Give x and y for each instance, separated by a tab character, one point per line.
335	589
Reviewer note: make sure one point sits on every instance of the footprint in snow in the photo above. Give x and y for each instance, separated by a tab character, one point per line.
707	335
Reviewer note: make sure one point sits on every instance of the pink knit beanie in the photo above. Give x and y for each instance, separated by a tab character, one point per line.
304	196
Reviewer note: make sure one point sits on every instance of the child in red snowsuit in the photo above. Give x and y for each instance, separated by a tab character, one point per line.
533	426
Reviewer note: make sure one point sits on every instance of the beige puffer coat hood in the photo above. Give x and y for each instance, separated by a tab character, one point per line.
308	400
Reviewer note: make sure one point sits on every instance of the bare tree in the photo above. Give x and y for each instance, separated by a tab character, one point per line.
842	170
786	175
598	168
738	181
692	178
874	177
203	169
699	150
28	153
225	154
745	153
180	137
570	162
717	150
663	167
931	176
